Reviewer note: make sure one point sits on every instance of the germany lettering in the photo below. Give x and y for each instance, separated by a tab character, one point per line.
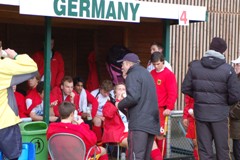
97	9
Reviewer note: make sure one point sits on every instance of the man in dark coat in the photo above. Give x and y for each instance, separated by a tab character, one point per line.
213	85
142	105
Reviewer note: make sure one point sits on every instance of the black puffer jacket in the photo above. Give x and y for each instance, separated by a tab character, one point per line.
141	101
213	85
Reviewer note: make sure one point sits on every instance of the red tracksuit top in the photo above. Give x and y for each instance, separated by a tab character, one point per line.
57	94
57	67
82	130
166	86
189	104
22	109
36	100
92	81
91	100
113	125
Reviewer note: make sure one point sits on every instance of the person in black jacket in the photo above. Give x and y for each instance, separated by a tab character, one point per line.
213	85
142	105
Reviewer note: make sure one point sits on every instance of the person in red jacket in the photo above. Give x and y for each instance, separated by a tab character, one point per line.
166	86
102	94
85	99
78	128
20	99
115	121
189	123
116	125
33	82
65	93
57	65
34	103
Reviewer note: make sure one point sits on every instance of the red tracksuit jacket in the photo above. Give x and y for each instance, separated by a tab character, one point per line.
113	125
82	130
22	109
166	86
57	67
57	94
189	104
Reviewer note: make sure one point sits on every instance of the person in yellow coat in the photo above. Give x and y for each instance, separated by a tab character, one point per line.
14	69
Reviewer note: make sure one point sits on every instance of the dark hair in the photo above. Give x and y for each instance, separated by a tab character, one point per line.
65	109
40	87
66	78
159	45
106	85
76	80
157	56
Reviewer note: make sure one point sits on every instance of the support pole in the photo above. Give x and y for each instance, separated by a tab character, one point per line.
47	68
166	43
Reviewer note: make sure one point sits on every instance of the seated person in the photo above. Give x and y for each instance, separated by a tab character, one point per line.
116	124
32	83
102	95
20	99
65	93
78	128
85	99
34	103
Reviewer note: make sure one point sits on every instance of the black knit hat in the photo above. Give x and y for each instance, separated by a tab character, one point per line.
218	45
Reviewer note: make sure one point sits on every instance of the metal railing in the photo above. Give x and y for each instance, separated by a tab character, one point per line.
177	144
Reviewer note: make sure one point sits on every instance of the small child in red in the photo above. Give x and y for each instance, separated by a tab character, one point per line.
189	123
116	125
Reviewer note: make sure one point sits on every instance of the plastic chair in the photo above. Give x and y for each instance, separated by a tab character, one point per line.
65	146
28	152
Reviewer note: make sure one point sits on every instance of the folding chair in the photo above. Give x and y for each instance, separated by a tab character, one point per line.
65	146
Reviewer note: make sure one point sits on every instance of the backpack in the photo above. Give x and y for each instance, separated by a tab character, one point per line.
116	52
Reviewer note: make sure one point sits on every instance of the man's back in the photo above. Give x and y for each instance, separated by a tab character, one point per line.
82	130
213	88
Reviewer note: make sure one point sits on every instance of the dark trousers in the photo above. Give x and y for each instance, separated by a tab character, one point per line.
236	149
11	142
207	132
139	145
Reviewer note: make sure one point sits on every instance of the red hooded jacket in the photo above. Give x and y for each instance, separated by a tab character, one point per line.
113	125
